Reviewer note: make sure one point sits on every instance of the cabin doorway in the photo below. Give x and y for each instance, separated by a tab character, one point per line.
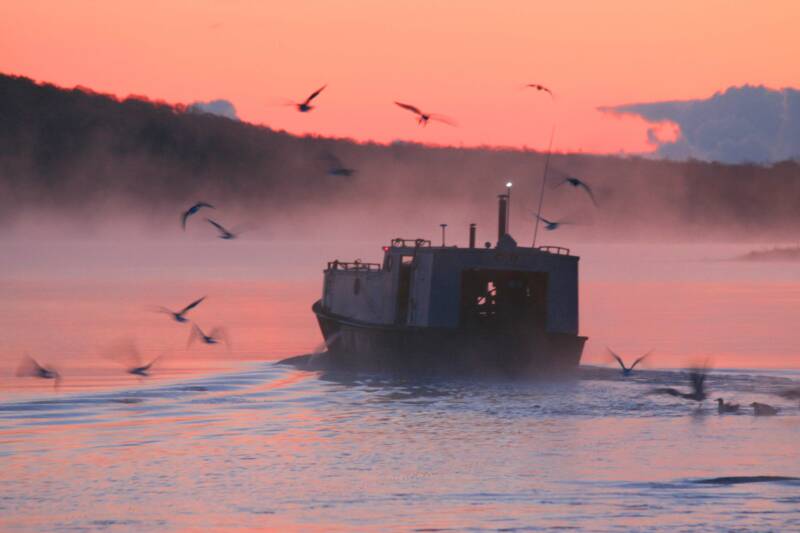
503	297
404	289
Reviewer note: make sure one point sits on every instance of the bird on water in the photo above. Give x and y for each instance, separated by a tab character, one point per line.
790	394
723	407
763	409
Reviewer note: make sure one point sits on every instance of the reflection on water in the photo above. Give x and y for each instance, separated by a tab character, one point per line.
271	446
222	438
75	326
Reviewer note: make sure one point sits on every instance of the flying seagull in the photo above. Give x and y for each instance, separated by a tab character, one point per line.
192	210
423	118
627	371
697	378
143	370
305	106
575	182
180	315
30	368
723	407
550	225
337	168
539	87
217	334
126	353
223	233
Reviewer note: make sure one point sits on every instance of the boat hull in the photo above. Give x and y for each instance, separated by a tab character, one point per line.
499	351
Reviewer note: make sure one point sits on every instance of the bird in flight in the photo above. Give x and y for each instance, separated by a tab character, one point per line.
551	225
540	87
575	182
214	337
305	106
192	210
143	370
627	370
423	118
223	232
126	353
30	368
336	167
697	378
180	315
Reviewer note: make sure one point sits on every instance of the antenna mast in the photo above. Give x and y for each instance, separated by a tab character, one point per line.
544	180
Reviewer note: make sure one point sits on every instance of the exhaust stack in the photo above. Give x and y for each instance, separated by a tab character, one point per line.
472	235
502	216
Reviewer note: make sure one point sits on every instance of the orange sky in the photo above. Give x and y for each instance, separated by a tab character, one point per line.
465	59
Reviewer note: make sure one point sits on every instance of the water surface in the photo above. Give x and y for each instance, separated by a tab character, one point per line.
220	437
271	446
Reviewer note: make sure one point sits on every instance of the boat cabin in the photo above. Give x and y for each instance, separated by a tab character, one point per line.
423	286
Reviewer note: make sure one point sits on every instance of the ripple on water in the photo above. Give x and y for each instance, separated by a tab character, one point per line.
277	445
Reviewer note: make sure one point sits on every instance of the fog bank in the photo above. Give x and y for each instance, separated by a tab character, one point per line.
85	161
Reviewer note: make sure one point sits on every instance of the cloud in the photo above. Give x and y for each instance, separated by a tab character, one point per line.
741	125
222	108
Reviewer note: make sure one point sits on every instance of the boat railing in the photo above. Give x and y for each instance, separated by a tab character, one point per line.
356	265
410	243
558	250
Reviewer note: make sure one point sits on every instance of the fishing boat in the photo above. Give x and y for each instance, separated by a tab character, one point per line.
501	308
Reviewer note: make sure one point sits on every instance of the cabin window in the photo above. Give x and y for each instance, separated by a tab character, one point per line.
503	297
408	259
357	286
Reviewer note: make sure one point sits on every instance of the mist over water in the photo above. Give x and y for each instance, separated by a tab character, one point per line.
83	161
220	437
68	300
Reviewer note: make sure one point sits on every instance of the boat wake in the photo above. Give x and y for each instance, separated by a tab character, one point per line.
738	480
